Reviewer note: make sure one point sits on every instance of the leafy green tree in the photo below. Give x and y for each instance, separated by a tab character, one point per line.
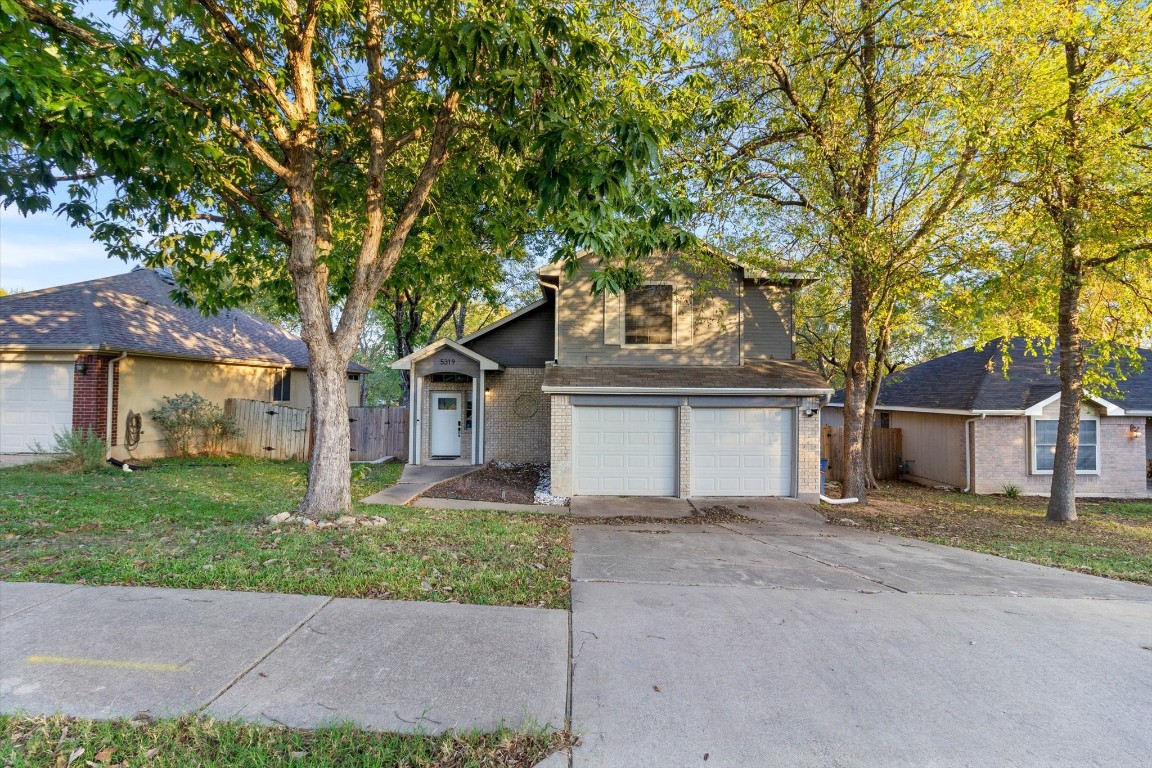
1074	258
852	134
290	148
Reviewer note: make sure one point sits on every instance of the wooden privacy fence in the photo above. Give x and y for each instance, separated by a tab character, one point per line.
886	453
270	430
378	432
279	432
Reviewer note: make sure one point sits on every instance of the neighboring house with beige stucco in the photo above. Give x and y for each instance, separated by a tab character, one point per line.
686	386
83	356
968	423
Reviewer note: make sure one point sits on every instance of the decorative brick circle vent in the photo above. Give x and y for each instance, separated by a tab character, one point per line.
526	406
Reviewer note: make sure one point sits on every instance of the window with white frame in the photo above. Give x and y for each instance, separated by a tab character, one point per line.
649	316
1044	446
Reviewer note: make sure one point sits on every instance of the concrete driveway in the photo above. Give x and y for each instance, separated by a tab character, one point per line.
793	643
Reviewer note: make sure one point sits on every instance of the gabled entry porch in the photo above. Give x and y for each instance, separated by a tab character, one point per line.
446	409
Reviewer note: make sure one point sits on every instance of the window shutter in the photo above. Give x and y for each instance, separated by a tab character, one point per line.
613	306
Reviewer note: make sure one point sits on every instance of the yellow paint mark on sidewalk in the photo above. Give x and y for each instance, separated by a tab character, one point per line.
106	663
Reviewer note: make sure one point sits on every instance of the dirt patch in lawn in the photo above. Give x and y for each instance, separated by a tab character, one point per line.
514	484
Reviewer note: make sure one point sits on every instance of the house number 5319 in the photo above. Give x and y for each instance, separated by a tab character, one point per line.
447	361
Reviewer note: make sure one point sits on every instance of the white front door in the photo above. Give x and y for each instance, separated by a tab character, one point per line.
742	451
445	424
35	402
624	451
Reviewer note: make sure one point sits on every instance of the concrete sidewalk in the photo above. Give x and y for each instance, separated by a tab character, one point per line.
296	660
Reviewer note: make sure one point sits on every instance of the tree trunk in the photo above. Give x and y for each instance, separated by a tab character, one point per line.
460	318
879	361
1062	503
856	390
330	475
1066	210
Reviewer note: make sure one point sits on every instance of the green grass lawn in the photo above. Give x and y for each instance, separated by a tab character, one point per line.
1111	538
27	742
199	524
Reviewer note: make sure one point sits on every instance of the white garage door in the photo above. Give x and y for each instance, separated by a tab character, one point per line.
35	399
742	451
624	451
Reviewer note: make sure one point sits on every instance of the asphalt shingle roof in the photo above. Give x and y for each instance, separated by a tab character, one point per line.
774	374
974	380
133	312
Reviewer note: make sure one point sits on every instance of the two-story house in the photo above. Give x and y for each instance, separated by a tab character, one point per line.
666	390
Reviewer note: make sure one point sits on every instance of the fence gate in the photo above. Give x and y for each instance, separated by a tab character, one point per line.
378	432
886	451
271	431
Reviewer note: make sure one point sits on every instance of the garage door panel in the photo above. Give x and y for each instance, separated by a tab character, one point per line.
621	451
35	401
742	451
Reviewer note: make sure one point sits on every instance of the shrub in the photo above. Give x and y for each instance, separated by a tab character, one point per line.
1011	491
189	424
79	451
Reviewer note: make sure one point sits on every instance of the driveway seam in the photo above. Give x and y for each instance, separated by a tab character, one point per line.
45	600
816	560
276	646
731	586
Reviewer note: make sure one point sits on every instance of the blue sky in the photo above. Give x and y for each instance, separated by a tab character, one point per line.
42	250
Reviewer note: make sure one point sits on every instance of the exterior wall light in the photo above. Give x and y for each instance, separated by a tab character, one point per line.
1134	432
81	366
809	412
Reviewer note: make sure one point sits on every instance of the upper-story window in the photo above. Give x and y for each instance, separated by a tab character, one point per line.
649	315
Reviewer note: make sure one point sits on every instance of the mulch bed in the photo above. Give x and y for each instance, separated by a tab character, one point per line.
514	485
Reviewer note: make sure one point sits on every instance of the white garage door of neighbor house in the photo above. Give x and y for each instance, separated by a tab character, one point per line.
742	451
624	451
35	399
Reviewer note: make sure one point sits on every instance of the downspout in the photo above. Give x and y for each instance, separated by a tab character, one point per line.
108	405
968	453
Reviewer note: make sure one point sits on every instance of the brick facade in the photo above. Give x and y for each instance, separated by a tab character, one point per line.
1002	455
684	470
90	396
561	418
517	416
808	451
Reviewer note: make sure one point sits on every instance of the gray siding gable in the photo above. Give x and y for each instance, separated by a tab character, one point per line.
737	319
768	323
524	342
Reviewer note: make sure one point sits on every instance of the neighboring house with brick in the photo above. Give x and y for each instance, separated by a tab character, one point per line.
82	356
662	391
967	423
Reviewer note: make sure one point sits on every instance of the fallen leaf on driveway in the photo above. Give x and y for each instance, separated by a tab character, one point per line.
656	688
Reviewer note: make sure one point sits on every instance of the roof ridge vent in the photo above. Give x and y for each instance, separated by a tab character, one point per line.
165	274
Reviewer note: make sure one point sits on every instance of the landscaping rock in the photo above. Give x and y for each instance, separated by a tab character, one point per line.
345	521
282	517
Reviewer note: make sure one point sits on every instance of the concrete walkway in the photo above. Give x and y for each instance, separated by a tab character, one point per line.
20	459
792	643
415	479
290	659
